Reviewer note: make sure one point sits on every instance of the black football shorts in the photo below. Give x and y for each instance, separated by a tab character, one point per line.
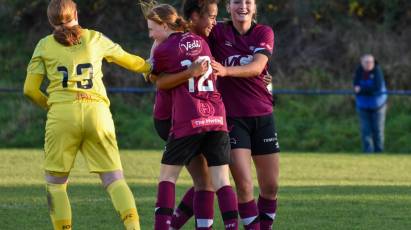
255	133
214	145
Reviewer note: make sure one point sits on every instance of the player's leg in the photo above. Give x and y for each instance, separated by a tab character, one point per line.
121	197
240	167
102	156
178	152
267	167
216	149
62	140
184	210
199	172
166	196
58	201
227	200
203	198
265	150
241	171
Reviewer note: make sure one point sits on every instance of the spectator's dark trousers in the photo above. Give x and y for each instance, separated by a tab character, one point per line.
372	128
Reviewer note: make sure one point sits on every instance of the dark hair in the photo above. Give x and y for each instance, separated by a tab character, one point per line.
59	13
167	14
199	6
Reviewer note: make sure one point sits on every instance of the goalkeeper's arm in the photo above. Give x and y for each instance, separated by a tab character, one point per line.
32	90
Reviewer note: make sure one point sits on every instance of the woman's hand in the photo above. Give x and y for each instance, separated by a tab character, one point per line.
267	79
198	68
357	89
219	69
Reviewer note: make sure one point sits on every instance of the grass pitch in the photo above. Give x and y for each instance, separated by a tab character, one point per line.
318	191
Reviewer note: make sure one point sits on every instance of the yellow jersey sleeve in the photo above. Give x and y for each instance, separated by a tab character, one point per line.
36	71
32	90
36	65
114	53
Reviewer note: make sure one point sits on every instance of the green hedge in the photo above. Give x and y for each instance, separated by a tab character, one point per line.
313	123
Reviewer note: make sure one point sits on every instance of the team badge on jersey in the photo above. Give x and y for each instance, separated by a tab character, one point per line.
205	108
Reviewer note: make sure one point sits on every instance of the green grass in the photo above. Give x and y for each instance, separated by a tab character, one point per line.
318	191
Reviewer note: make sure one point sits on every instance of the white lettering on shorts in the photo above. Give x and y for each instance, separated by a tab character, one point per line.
273	140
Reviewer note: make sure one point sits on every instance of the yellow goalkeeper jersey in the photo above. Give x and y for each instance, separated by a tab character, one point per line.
74	72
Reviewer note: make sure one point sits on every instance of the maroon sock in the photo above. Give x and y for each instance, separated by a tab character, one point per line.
164	205
267	210
249	215
184	210
204	209
227	202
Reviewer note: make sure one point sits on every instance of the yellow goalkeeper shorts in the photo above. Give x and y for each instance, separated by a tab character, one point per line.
87	127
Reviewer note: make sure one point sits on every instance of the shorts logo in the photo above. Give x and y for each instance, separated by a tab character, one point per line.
234	141
272	140
190	45
205	109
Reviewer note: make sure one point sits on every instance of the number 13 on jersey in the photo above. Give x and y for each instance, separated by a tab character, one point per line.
200	84
79	71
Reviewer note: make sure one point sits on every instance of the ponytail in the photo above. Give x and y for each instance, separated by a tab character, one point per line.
180	25
166	14
68	36
60	13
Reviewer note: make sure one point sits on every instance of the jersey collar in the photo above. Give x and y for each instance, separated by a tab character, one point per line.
253	24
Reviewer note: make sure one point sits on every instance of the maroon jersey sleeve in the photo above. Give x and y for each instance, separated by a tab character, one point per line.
264	40
163	101
158	60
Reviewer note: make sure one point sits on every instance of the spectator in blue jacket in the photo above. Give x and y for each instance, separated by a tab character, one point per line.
371	101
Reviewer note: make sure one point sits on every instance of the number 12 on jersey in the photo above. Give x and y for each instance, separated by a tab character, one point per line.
200	84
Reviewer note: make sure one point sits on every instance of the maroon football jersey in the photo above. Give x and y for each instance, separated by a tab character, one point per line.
243	97
162	105
197	106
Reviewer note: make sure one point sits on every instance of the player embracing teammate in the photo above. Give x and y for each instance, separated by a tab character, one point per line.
198	122
244	48
78	114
